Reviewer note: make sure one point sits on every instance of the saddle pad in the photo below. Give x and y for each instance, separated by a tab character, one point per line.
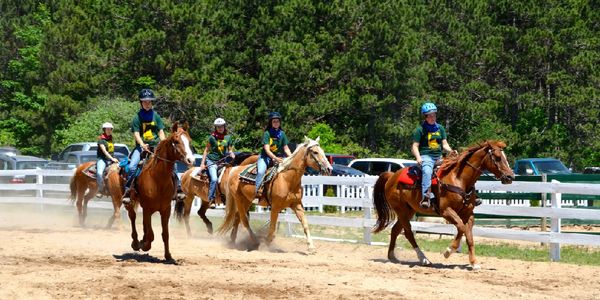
249	173
413	175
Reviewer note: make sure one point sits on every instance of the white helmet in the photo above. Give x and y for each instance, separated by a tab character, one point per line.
219	122
107	125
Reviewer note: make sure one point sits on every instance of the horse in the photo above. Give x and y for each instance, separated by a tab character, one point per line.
80	183
454	193
192	187
284	190
155	189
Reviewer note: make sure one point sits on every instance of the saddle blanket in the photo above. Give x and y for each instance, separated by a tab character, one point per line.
412	175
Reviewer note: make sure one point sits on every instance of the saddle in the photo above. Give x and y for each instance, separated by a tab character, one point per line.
411	177
248	175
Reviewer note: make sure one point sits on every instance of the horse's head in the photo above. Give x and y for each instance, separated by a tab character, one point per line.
495	161
315	157
180	141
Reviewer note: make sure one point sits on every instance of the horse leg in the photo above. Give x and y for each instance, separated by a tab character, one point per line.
273	223
135	244
202	213
396	229
452	217
148	233
243	214
234	230
79	204
404	219
92	192
471	244
164	220
299	210
187	208
116	214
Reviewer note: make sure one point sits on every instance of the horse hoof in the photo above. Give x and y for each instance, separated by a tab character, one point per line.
475	267
210	230
448	252
135	245
425	262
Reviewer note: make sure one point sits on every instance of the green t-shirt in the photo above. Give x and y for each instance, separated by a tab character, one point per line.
110	148
430	143
275	144
148	130
218	148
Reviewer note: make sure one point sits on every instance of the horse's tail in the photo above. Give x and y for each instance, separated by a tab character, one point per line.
230	212
384	214
73	187
179	206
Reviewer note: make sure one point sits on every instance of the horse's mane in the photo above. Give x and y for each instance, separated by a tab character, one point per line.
288	160
461	160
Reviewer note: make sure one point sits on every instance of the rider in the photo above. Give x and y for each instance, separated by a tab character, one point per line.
429	138
218	143
147	127
274	145
105	152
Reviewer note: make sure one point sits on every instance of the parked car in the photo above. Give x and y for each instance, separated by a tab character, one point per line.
340	159
9	150
76	158
591	170
20	162
337	170
539	166
87	146
376	166
180	167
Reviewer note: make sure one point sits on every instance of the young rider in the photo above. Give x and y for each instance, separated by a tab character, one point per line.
217	146
274	146
105	152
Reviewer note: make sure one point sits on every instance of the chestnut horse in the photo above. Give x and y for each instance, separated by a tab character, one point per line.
80	183
192	187
455	194
284	190
154	187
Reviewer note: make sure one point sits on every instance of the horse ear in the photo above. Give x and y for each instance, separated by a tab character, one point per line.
186	126
175	126
306	140
318	139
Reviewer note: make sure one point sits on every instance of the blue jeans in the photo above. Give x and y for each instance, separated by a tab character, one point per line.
427	167
261	167
212	174
134	160
100	166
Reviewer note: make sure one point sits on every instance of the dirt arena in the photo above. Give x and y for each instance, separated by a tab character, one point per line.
44	256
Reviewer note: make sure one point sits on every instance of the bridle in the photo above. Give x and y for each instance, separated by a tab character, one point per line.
322	167
491	156
176	151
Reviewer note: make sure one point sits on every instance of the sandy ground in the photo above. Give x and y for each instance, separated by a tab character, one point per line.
44	256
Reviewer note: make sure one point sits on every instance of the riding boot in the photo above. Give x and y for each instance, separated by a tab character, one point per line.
126	200
212	203
478	202
425	202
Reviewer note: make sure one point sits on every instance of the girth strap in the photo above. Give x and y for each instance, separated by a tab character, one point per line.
454	189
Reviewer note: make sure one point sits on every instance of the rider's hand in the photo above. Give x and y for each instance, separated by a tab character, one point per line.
145	147
202	168
231	154
278	160
115	160
453	153
419	161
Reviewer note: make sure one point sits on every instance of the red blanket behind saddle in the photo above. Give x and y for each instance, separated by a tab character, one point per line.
410	178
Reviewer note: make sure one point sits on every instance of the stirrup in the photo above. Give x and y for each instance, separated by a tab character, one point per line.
212	204
126	199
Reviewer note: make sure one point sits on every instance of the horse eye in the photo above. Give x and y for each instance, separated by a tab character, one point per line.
497	158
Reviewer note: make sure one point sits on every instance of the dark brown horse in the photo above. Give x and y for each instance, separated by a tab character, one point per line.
155	189
455	194
193	187
80	183
284	190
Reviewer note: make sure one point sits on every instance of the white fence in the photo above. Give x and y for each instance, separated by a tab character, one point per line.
357	192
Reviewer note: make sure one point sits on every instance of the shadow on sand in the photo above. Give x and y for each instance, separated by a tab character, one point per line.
143	258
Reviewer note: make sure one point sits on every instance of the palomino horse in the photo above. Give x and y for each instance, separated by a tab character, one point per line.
283	191
80	183
455	194
193	187
155	188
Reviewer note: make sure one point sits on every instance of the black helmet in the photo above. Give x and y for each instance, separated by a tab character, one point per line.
147	95
274	115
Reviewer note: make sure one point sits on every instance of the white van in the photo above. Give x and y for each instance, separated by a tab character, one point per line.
376	166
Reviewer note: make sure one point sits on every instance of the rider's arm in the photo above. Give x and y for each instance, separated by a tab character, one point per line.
106	154
446	146
138	139
161	135
415	152
287	151
203	164
268	152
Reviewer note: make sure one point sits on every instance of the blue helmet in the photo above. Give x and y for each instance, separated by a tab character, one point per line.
147	95
274	115
428	108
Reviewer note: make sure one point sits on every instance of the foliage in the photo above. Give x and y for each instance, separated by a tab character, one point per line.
357	71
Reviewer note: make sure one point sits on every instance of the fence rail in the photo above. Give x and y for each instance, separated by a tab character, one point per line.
357	192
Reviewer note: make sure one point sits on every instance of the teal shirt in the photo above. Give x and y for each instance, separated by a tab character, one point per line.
430	143
108	145
148	130
275	144
218	148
